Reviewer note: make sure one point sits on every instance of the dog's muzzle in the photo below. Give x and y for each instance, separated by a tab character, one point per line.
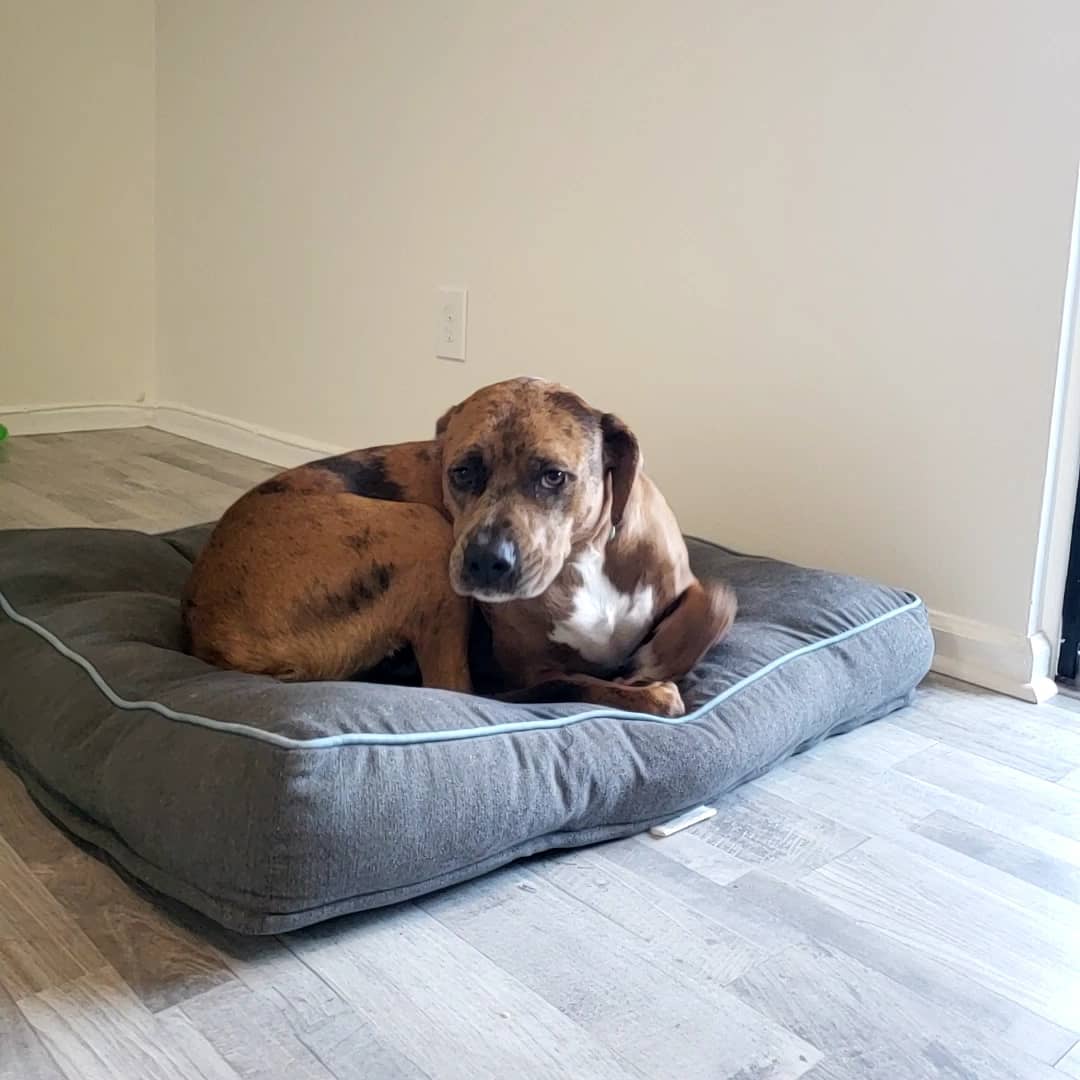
490	562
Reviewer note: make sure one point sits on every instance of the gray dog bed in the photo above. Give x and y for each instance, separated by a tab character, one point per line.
268	806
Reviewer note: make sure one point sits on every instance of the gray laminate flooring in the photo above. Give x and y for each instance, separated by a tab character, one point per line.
901	902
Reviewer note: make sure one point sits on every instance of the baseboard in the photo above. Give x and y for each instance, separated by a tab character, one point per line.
89	416
991	657
237	436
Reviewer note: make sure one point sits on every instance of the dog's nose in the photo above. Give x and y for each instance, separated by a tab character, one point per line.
490	563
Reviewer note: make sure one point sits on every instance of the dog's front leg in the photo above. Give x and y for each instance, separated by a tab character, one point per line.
656	698
703	615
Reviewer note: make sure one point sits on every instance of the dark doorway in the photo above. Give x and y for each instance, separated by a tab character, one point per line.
1069	659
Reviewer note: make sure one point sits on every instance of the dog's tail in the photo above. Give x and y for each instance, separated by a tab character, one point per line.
698	620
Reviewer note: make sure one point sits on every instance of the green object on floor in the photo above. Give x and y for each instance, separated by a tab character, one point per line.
3	433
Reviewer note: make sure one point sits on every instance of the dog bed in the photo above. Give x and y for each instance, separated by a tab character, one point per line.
269	806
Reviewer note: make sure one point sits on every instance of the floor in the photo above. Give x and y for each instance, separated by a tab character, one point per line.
900	902
1068	695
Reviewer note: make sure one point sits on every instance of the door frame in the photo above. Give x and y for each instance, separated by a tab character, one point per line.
1062	481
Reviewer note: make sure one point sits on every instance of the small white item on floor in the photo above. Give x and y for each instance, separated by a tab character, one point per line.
683	821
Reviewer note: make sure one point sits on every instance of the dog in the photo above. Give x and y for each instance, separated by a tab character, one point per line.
528	503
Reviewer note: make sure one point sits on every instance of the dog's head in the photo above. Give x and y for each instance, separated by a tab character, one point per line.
529	469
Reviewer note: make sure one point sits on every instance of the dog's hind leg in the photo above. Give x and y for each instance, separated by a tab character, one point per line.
442	646
438	623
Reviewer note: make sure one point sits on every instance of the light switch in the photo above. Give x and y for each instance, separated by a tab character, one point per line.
450	343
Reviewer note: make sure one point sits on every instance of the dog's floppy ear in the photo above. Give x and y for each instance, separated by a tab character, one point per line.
622	459
440	424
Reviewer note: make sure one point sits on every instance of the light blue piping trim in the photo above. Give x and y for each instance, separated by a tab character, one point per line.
406	738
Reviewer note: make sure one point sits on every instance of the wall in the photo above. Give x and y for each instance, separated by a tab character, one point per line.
813	252
76	201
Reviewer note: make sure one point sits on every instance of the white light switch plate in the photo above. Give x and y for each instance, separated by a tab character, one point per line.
450	340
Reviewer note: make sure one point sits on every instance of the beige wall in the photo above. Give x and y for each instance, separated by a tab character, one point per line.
76	200
813	252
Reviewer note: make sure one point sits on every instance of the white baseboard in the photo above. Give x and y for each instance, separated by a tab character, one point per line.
239	437
989	656
225	433
87	416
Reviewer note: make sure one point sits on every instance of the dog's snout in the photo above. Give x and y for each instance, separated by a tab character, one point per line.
490	561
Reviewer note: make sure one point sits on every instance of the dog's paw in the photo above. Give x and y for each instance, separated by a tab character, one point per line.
664	699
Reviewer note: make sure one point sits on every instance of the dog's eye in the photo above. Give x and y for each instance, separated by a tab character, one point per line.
552	479
467	476
462	475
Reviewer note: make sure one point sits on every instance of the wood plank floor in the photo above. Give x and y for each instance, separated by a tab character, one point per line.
901	902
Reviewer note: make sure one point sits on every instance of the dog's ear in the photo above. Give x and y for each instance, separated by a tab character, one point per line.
622	459
440	424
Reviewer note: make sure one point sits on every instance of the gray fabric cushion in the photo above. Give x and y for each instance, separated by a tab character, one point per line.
270	806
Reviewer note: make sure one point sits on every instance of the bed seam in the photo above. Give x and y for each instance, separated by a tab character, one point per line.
426	737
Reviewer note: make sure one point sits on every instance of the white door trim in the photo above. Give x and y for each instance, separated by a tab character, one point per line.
1062	467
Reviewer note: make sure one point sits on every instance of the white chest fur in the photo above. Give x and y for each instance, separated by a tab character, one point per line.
603	624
